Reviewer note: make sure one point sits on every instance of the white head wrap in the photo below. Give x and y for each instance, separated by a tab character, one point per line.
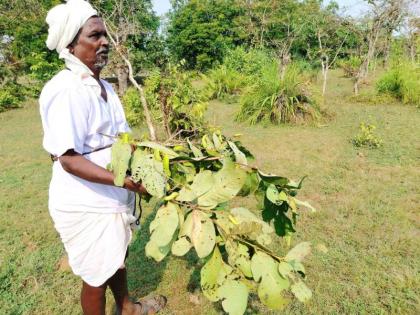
65	21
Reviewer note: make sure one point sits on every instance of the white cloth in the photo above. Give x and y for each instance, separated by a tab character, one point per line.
96	244
74	116
65	21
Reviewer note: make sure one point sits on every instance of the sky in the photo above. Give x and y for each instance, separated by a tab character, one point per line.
352	7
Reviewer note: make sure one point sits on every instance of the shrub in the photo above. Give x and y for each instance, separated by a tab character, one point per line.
402	81
223	81
132	107
11	96
350	66
180	106
366	138
248	63
279	100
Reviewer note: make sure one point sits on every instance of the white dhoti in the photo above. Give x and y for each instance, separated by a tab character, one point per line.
96	243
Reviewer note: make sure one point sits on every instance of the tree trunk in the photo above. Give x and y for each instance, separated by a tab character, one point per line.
122	79
325	77
356	87
284	62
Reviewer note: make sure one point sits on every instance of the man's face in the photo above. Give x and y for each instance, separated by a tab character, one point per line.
92	45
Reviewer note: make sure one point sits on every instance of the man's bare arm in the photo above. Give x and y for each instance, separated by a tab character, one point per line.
77	165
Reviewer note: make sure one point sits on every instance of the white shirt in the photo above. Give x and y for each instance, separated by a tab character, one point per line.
75	116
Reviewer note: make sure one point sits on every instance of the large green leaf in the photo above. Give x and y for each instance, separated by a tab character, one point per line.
273	179
301	291
153	145
203	183
235	297
275	196
299	252
211	279
238	256
251	226
227	183
203	235
148	171
270	291
181	247
120	159
239	155
164	225
197	153
272	284
250	184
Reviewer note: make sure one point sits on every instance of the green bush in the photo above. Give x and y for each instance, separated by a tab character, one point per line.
8	100
132	107
350	66
175	101
247	62
402	81
276	100
222	82
366	137
11	96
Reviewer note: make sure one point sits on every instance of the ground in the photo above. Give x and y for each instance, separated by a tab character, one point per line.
365	234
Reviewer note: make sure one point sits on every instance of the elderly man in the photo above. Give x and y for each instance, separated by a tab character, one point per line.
77	109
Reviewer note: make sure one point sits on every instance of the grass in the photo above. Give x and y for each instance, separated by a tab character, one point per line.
366	256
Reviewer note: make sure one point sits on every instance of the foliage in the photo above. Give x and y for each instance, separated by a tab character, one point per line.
194	183
179	104
276	100
9	98
402	81
200	31
223	81
366	137
350	66
248	62
132	107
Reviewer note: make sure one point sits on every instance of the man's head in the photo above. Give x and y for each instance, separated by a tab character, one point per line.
91	45
75	28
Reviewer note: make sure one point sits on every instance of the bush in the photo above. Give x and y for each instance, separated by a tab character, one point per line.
132	107
248	63
180	106
11	96
402	81
222	82
278	100
366	138
350	66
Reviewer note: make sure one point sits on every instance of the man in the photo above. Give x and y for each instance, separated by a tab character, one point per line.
77	109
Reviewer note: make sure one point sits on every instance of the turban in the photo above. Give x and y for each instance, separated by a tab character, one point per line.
65	21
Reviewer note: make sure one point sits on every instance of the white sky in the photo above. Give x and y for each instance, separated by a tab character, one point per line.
352	7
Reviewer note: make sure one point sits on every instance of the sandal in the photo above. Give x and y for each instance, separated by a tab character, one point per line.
152	305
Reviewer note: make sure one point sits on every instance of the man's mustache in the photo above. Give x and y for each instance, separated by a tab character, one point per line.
102	51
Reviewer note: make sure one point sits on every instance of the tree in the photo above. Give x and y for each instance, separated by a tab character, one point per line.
200	31
134	28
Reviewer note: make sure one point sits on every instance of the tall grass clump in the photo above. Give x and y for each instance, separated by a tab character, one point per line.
222	82
402	81
236	72
276	100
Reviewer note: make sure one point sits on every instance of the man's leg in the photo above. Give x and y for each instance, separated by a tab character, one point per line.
93	299
118	285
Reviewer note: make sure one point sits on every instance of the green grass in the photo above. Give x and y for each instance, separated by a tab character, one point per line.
367	217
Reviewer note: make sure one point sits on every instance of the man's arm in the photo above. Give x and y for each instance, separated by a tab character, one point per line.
77	165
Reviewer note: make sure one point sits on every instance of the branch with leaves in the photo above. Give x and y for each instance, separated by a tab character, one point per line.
193	184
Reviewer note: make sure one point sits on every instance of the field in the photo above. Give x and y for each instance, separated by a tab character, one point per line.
365	234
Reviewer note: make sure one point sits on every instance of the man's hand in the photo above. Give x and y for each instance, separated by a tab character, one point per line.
135	187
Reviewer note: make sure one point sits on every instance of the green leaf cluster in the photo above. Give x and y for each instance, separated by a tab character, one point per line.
194	182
